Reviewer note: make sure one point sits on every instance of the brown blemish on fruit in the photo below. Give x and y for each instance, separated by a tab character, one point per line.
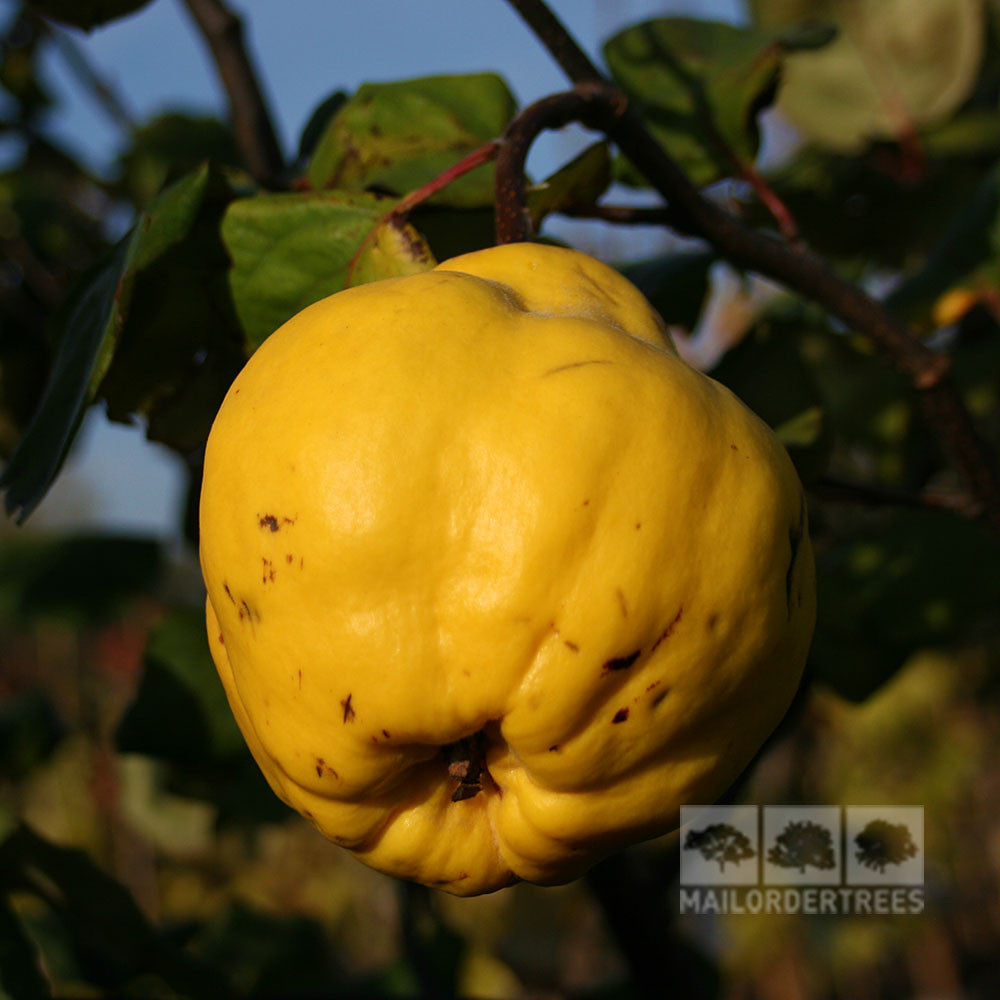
246	613
638	525
289	558
669	630
229	593
586	503
621	602
575	364
660	697
553	748
385	733
267	572
620	662
734	447
712	622
300	679
348	709
620	716
268	521
289	520
222	641
322	767
571	645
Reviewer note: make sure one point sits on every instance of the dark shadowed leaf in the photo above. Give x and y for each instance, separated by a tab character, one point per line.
767	372
180	713
699	85
112	940
396	137
30	729
169	146
271	955
179	343
290	250
676	284
21	976
83	578
180	716
969	243
902	580
579	183
87	13
87	342
135	329
318	121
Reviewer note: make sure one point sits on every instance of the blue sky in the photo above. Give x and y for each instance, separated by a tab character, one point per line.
304	50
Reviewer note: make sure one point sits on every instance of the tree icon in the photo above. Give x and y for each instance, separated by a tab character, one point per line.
883	843
801	844
721	843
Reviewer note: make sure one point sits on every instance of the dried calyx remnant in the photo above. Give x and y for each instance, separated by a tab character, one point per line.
467	762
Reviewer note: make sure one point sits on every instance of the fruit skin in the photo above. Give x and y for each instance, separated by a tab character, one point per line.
490	499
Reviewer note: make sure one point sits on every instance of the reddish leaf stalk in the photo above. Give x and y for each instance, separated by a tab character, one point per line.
406	204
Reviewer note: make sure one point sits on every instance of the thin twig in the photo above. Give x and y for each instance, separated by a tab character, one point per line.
106	97
793	266
251	119
622	215
869	495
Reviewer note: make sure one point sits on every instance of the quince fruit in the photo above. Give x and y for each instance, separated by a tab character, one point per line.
496	582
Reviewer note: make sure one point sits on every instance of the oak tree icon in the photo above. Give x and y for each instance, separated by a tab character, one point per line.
883	843
721	843
803	844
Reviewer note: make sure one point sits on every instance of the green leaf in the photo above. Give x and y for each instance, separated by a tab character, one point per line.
290	250
699	85
86	344
579	183
87	14
112	938
180	713
132	329
21	976
896	65
396	137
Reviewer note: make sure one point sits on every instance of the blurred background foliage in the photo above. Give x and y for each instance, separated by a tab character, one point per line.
141	853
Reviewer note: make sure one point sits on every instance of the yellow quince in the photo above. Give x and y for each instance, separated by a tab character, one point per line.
496	582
